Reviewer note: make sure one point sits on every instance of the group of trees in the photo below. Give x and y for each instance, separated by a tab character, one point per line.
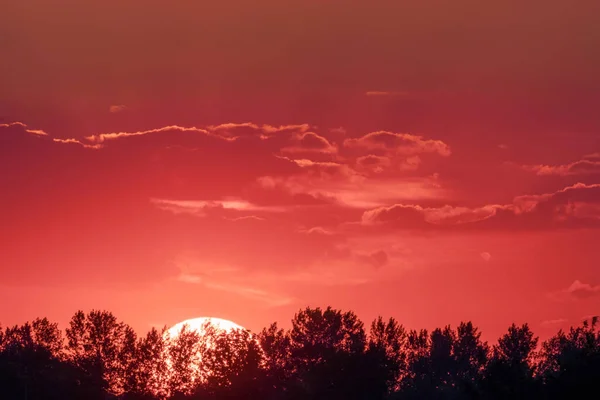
327	354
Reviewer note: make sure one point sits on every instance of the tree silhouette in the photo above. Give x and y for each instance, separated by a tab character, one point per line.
233	365
276	347
151	366
95	342
570	362
325	355
32	365
510	371
328	354
388	353
470	355
184	369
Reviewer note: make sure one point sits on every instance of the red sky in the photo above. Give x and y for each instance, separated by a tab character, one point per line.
435	161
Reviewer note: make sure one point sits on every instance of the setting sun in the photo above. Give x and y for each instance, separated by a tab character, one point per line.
200	324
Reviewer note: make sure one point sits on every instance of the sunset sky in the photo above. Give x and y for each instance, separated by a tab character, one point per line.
435	161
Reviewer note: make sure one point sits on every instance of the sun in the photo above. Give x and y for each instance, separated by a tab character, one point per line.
200	324
205	328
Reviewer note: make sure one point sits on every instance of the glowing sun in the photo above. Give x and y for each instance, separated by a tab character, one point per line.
199	325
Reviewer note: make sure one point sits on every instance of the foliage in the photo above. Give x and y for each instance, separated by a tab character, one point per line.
327	354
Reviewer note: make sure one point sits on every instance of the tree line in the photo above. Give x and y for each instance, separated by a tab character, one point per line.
326	354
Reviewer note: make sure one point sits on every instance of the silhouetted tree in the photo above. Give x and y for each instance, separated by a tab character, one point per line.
387	352
570	362
276	348
234	366
152	367
511	368
31	365
325	355
95	342
445	364
471	356
184	368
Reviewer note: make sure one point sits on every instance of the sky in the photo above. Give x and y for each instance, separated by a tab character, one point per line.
434	161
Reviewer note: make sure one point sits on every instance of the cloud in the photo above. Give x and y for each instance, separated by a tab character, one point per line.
398	144
262	130
310	142
592	156
117	108
247	218
377	93
103	137
583	290
317	230
558	321
581	167
415	216
200	207
220	282
579	201
37	132
77	142
486	256
272	299
373	163
574	206
376	259
189	278
324	169
355	191
338	131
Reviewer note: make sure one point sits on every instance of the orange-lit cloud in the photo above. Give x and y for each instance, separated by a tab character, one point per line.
77	142
574	206
200	207
102	137
385	93
583	290
580	167
554	322
398	143
117	108
38	132
310	142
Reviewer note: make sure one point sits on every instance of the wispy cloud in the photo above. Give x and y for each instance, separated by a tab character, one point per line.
310	142
37	132
117	108
573	206
553	322
78	142
354	190
265	129
246	218
398	143
316	230
272	299
580	167
199	207
103	137
382	93
228	280
583	290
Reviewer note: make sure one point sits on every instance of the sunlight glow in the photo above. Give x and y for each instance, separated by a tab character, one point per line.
199	325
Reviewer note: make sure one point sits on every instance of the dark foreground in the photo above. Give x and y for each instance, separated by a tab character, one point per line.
328	354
